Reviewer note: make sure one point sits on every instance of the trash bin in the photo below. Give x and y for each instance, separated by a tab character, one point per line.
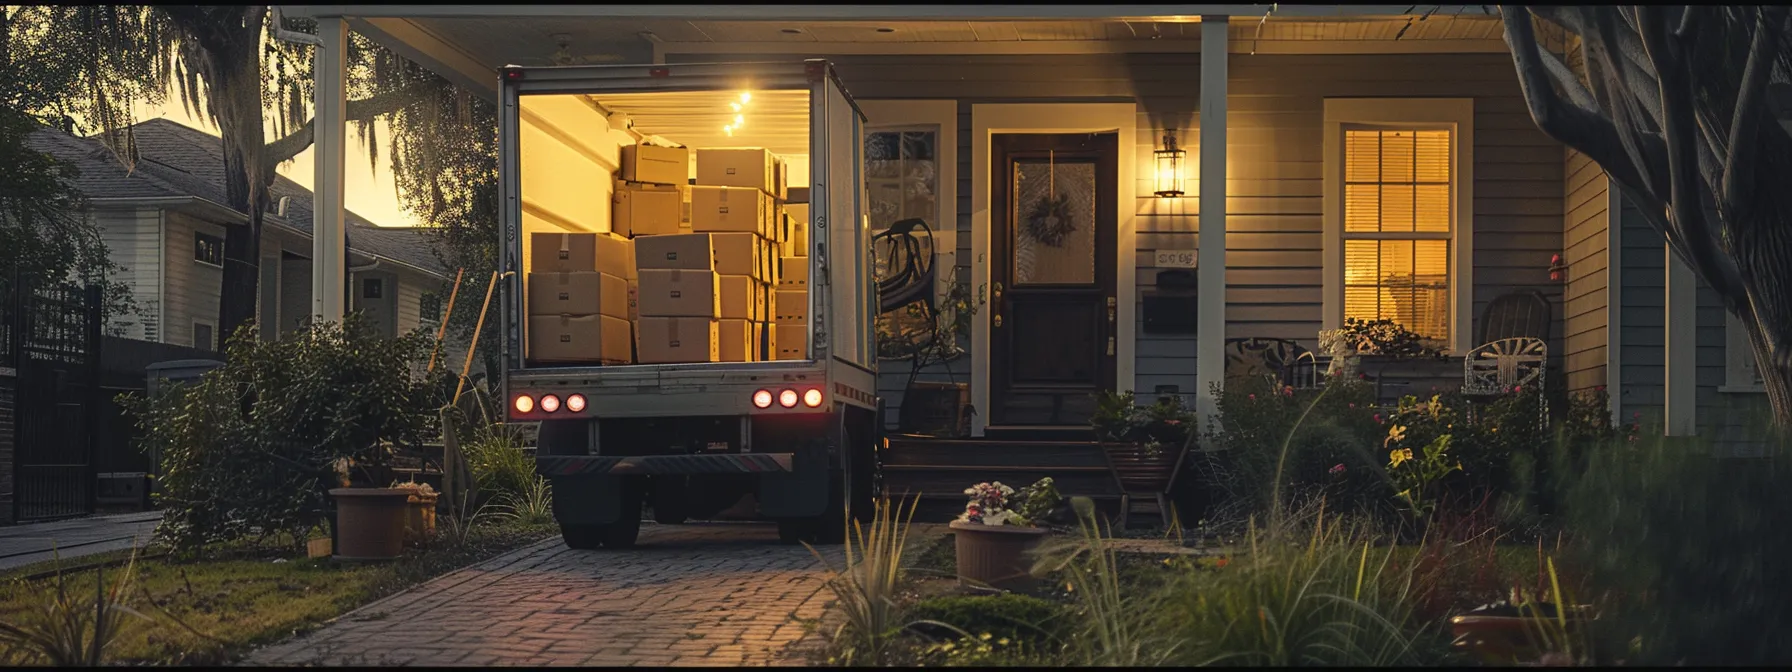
162	374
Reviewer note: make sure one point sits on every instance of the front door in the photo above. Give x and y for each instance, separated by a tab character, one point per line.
1052	269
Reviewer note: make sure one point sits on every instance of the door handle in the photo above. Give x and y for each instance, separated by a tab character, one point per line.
1112	308
998	291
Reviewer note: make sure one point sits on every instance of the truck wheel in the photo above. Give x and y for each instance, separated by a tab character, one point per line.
669	503
622	533
582	537
793	531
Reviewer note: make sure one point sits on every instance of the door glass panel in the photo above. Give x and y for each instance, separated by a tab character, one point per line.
1054	222
901	182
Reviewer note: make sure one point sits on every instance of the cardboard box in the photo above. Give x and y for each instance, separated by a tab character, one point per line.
579	252
656	165
679	293
797	195
751	167
685	251
771	304
634	300
763	341
585	293
724	209
793	272
736	292
797	242
739	254
792	306
639	209
791	341
578	338
782	177
676	340
735	341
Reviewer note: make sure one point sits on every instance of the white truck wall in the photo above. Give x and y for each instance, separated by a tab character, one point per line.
569	157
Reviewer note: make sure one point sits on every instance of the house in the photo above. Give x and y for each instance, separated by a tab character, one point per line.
163	221
1340	161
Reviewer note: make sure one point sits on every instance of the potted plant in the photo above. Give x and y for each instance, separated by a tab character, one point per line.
925	336
997	530
1142	443
420	515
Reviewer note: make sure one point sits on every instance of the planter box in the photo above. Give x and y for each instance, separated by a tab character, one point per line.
420	518
370	522
1138	472
1396	377
995	555
1499	639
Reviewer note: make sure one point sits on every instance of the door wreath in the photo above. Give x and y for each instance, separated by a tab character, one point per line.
1049	220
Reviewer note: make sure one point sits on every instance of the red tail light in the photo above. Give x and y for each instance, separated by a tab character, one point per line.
812	398
576	403
550	403
524	403
762	399
787	398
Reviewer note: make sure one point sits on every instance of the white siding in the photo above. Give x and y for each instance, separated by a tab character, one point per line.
193	287
133	242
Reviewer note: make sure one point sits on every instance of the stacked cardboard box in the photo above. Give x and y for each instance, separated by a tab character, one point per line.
578	298
680	299
738	198
791	320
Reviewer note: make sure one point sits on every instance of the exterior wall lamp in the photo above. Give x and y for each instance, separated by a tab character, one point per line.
1169	162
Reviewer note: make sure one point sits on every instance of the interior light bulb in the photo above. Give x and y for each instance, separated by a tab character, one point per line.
736	106
746	97
740	120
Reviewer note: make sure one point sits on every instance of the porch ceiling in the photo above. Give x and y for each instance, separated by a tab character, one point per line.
476	47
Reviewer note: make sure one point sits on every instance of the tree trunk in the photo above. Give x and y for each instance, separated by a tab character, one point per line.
239	115
1762	248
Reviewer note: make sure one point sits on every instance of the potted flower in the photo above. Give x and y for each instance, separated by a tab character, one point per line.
997	530
420	518
1142	443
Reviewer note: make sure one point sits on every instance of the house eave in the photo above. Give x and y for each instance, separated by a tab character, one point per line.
967	12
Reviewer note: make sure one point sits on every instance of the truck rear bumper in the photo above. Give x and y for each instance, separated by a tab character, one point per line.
654	465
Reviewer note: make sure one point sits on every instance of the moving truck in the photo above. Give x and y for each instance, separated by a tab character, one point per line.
725	201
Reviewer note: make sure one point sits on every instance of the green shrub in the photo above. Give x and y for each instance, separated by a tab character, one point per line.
251	448
1686	550
1009	616
500	467
1333	452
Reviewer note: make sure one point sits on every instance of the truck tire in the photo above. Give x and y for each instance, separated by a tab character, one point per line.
827	529
582	537
669	501
620	534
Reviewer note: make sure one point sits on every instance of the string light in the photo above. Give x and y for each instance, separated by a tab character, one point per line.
740	119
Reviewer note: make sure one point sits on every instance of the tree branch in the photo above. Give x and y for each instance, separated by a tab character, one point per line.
1738	166
283	149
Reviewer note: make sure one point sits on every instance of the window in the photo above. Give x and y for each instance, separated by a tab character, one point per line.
429	311
203	335
208	249
1742	374
1399	239
372	288
1397	228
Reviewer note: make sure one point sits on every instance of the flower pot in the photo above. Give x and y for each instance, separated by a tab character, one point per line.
420	518
1138	471
936	409
1499	638
370	522
995	555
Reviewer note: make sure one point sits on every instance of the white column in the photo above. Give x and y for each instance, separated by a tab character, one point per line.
1614	300
328	272
1681	392
1210	262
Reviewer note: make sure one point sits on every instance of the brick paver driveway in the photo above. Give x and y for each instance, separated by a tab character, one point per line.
705	594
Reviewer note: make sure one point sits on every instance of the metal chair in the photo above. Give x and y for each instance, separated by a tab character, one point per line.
1519	314
1499	366
1274	358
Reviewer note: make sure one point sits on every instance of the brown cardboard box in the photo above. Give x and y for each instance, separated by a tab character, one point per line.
577	252
686	251
771	303
578	338
757	311
676	340
738	254
587	293
679	293
797	195
735	341
797	242
634	299
656	165
736	297
723	209
793	272
792	341
764	342
792	306
753	168
782	178
640	209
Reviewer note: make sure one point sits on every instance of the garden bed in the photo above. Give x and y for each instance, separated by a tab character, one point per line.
215	610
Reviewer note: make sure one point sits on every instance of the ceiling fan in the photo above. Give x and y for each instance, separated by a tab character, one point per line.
563	56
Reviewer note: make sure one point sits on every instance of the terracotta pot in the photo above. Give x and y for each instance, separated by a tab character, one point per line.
1138	471
370	522
995	555
1500	639
420	518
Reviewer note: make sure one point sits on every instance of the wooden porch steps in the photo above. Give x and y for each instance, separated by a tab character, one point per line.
938	470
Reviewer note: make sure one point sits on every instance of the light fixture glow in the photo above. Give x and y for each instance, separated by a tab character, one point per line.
746	96
729	130
740	120
550	403
787	398
736	106
575	403
762	399
812	398
525	403
1168	163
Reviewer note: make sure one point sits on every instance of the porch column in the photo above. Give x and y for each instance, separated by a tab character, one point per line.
1210	262
1681	388
327	242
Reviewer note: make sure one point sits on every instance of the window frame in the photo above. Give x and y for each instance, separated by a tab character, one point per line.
1453	114
193	336
1741	374
198	238
940	117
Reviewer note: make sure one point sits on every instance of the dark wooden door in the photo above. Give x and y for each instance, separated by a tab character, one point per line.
1052	269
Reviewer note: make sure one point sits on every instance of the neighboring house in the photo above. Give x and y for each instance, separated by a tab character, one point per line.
163	220
1376	165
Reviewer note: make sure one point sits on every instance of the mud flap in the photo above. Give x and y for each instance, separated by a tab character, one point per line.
801	492
587	500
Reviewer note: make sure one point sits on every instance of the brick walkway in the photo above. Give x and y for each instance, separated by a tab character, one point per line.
711	594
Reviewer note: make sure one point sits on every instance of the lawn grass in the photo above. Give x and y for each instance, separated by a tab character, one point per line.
238	599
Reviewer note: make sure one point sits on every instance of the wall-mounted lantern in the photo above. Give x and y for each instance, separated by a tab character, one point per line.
1169	162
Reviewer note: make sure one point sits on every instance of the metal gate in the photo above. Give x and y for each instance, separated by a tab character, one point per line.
51	333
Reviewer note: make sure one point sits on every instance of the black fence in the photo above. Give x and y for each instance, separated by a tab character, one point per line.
49	369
